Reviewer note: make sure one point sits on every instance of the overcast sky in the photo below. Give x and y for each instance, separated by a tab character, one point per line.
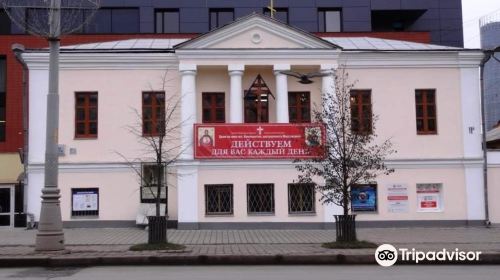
473	10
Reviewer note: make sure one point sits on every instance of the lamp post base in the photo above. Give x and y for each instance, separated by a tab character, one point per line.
50	236
49	241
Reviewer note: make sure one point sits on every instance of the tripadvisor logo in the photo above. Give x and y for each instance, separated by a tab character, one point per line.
387	255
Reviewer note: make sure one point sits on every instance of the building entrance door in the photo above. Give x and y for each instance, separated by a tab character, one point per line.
6	206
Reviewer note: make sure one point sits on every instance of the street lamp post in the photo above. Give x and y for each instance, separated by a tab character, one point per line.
51	19
50	236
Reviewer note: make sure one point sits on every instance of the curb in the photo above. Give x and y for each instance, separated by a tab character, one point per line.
55	261
334	259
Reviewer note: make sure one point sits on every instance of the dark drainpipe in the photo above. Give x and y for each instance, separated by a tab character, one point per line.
488	54
18	50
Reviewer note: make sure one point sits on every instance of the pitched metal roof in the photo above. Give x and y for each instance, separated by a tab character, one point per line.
130	44
377	44
346	43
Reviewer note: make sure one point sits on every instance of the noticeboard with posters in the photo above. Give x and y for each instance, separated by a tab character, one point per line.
397	198
364	198
429	197
85	202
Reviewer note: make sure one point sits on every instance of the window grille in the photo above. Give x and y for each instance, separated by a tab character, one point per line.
219	199
260	198
301	198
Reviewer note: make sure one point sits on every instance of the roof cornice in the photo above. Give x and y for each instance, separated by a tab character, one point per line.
104	61
247	55
410	59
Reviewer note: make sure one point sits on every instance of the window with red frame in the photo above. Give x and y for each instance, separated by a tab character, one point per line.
299	107
425	102
86	115
361	111
214	109
153	113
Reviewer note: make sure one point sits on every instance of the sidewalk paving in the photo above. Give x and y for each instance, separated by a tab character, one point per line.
110	246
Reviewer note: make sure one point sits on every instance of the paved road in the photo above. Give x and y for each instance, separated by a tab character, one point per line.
256	272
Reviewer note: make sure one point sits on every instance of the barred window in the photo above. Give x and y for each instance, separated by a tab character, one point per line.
219	199
301	198
149	186
260	198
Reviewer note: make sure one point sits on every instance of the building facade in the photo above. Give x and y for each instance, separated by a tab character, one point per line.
437	22
434	122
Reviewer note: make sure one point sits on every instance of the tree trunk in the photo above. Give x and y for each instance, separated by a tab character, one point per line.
346	228
158	188
157	229
345	203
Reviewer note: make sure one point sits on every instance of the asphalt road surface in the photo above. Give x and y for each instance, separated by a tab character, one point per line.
372	272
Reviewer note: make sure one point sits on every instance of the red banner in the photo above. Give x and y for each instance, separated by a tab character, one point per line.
258	141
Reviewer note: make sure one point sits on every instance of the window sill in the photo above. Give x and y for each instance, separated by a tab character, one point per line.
90	217
430	211
218	215
85	138
306	214
261	214
365	212
428	134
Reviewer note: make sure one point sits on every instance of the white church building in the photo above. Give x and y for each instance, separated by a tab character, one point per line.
239	111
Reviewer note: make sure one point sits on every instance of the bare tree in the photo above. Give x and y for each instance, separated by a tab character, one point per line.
353	154
158	132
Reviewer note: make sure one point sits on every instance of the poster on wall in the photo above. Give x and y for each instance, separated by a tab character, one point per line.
364	198
85	201
258	141
397	198
429	197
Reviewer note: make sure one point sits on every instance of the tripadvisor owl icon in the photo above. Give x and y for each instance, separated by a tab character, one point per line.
386	255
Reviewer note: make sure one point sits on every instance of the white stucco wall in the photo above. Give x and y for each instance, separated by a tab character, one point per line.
119	112
451	157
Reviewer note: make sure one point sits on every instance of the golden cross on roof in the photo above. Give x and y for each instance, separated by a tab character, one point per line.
271	8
